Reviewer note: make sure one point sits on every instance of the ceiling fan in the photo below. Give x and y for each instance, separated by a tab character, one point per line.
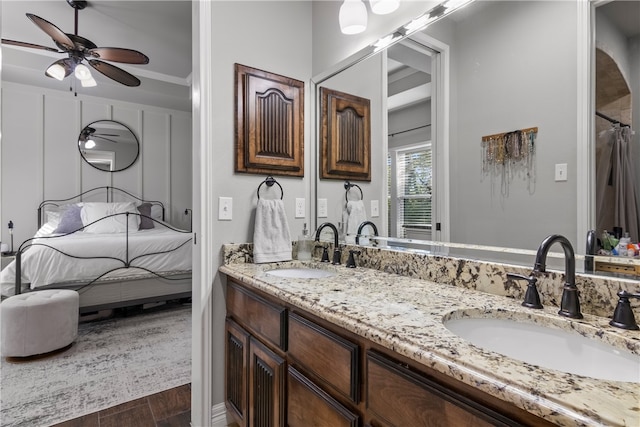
80	49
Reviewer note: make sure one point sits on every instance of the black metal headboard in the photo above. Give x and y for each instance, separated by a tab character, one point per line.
109	193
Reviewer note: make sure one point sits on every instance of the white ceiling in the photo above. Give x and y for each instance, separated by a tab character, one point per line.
159	29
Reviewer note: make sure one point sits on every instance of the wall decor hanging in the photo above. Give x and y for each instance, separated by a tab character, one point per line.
269	123
346	136
505	154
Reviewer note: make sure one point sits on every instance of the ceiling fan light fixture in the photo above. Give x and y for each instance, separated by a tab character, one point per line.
57	71
89	144
353	17
82	72
383	7
90	82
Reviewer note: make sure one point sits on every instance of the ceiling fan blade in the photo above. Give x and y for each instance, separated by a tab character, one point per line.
54	32
31	45
117	54
115	73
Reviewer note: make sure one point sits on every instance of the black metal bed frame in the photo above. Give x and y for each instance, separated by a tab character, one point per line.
126	262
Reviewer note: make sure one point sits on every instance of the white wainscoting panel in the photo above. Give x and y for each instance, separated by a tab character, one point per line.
40	157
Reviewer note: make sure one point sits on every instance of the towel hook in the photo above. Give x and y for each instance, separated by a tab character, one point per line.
270	181
348	186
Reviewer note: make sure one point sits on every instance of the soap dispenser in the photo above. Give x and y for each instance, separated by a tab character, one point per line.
305	243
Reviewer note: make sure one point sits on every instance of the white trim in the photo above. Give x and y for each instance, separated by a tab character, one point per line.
585	135
202	136
440	135
219	415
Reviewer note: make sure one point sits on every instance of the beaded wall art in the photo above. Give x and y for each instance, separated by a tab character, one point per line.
506	154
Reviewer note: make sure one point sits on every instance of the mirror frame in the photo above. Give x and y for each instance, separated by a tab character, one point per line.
125	128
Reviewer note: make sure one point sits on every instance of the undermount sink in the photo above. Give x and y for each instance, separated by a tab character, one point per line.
301	273
548	347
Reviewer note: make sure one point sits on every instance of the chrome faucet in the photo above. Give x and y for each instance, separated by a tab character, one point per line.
336	251
363	225
570	304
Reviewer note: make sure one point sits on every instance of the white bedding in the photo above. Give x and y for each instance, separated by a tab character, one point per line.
43	266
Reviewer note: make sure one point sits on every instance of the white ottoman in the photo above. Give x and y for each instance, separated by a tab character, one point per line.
38	322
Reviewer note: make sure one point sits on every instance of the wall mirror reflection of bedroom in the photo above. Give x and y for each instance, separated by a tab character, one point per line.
96	177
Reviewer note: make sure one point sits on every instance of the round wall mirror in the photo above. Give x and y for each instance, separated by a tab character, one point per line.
109	146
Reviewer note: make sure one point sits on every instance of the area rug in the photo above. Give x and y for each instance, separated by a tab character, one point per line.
111	362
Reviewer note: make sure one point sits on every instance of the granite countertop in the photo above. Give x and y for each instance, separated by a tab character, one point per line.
406	315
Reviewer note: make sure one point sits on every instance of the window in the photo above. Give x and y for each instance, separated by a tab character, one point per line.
410	190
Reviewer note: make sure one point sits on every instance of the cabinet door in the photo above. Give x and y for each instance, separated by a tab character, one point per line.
397	396
236	359
332	359
266	386
309	406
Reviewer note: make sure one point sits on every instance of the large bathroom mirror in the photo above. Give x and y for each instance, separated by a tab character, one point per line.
490	68
108	145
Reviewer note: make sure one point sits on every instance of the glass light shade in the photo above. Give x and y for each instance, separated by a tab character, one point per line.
89	144
56	71
353	17
82	72
383	7
90	82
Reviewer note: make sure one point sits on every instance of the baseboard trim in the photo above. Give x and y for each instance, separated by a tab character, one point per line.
219	415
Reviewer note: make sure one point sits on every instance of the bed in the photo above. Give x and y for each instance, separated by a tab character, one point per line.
116	252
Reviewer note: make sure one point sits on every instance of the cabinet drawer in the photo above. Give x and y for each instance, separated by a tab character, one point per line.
397	396
330	358
309	406
263	318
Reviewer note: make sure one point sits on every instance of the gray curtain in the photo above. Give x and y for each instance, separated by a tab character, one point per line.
616	196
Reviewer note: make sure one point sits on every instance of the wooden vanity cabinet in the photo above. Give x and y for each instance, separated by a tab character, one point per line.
398	396
285	366
255	363
310	406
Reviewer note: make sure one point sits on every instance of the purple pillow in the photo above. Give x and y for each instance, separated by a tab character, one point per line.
70	220
145	211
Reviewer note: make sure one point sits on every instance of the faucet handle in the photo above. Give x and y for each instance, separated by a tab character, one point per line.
325	253
531	296
623	315
351	262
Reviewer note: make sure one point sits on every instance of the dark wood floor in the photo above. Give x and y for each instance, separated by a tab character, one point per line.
170	408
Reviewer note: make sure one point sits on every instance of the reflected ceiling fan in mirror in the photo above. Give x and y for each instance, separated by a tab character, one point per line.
80	50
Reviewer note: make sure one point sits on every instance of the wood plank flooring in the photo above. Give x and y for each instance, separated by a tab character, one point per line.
170	408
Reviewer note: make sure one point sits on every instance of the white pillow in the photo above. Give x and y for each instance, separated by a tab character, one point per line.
116	224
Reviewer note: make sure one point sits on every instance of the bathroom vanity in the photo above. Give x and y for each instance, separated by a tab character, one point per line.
363	347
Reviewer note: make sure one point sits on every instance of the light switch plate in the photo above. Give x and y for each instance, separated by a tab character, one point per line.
322	208
300	208
375	208
225	208
561	171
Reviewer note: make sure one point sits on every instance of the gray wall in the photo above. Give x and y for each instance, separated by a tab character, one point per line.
515	67
274	36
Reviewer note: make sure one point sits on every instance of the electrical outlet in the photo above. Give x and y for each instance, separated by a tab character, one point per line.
375	208
322	208
300	208
561	172
225	208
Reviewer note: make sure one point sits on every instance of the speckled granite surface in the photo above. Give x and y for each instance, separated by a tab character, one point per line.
405	314
597	293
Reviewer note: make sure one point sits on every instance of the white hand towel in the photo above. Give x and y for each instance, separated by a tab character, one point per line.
356	216
271	238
